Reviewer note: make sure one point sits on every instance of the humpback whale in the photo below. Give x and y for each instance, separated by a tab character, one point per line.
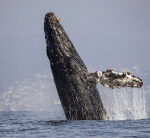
76	87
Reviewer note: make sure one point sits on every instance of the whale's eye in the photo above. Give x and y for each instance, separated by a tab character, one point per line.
58	19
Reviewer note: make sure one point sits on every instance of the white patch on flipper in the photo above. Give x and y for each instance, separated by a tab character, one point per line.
114	79
99	73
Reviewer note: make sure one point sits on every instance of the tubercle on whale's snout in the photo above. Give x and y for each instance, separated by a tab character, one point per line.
51	27
52	19
50	16
58	42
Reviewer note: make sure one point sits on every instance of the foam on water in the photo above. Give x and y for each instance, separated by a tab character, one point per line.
39	94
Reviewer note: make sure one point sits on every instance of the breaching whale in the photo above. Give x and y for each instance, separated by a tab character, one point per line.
76	87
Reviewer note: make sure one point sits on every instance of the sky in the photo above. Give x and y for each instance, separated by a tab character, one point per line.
106	34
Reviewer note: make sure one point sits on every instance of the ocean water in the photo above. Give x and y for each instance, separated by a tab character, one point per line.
32	109
41	124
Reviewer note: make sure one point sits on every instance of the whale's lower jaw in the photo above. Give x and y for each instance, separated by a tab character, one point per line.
80	100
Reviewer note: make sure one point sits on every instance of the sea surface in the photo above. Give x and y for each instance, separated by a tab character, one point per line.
43	116
43	124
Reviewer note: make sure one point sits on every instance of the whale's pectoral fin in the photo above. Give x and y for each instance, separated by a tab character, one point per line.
92	79
113	79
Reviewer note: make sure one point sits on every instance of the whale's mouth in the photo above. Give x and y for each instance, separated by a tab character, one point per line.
58	42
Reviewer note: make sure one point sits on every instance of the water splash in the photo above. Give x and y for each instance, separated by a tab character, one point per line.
127	103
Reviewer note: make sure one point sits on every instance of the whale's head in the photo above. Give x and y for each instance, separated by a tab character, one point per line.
58	43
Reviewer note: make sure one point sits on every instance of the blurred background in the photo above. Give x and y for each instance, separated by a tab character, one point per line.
107	34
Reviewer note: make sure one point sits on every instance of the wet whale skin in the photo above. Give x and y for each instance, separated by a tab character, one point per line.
79	98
